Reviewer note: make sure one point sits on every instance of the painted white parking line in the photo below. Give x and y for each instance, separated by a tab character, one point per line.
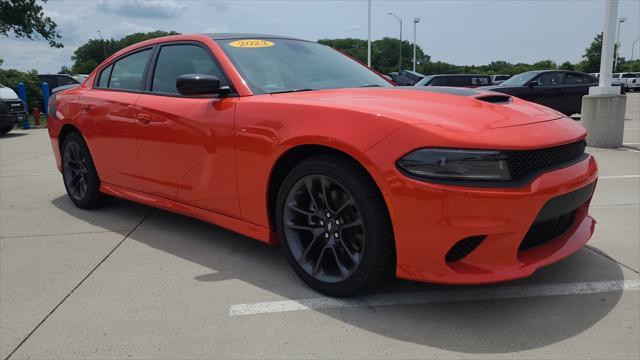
619	177
629	149
454	295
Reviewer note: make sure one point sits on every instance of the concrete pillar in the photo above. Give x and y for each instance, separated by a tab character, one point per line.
603	117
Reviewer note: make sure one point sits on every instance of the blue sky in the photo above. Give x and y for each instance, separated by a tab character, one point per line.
460	32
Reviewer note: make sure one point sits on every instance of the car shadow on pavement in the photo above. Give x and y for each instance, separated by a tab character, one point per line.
488	326
12	135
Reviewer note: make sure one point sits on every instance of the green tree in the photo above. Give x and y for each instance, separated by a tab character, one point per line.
592	54
89	55
356	48
384	52
544	65
567	65
11	78
65	70
25	19
629	66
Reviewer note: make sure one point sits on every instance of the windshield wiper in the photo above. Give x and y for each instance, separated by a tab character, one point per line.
372	85
292	90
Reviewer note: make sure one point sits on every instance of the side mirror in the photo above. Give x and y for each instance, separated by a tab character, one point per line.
533	83
198	84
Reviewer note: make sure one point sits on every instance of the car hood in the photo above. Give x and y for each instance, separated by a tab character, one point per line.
8	94
469	109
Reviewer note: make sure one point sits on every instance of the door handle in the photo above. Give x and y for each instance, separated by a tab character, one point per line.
85	107
143	118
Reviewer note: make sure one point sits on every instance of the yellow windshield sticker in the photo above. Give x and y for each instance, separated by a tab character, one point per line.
251	43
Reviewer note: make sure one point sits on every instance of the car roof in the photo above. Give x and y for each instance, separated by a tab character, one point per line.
229	36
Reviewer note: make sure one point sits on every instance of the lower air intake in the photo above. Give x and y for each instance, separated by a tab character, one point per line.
463	248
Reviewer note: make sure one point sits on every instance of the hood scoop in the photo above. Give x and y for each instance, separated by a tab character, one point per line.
495	99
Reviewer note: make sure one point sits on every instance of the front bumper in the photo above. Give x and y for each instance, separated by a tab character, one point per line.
431	219
12	118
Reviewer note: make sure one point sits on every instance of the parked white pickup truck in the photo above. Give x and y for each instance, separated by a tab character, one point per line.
11	109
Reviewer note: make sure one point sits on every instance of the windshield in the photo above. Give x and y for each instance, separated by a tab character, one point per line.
283	65
520	79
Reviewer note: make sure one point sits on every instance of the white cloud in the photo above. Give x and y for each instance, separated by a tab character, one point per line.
70	26
27	55
143	8
216	29
126	28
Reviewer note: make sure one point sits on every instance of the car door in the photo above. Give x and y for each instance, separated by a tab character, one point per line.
576	85
546	89
186	144
108	119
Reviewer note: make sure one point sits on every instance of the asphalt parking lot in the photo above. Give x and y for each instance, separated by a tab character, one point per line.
128	281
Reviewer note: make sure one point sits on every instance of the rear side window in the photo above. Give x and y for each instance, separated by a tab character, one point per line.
128	72
176	60
570	79
550	79
103	81
438	81
480	81
459	81
65	80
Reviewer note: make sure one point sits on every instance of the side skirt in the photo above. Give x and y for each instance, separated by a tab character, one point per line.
247	229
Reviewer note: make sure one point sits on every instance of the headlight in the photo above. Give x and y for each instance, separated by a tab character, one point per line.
456	164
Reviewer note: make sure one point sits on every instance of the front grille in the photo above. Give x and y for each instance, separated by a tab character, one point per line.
14	107
525	162
547	230
463	248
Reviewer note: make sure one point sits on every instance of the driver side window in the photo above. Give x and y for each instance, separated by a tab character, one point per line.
176	60
549	79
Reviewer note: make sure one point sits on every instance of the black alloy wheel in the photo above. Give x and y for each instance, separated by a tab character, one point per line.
324	228
334	226
79	174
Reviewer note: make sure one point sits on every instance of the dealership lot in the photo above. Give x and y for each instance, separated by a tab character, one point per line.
128	281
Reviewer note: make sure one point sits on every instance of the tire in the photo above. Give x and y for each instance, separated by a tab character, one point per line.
5	129
362	253
79	173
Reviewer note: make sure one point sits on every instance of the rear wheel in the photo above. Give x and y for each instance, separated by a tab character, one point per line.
334	227
5	129
79	173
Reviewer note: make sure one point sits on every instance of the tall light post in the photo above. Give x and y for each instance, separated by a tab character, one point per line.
415	22
400	21
104	46
633	46
369	37
615	56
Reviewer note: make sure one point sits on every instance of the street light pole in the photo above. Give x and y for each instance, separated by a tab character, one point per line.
615	56
104	46
369	38
415	22
399	20
633	46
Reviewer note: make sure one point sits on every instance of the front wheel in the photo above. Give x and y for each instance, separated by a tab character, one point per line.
334	226
79	173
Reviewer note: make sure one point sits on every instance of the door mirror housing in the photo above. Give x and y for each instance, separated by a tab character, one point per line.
533	83
198	84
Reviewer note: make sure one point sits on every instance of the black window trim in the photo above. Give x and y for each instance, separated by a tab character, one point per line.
150	68
562	74
154	63
112	62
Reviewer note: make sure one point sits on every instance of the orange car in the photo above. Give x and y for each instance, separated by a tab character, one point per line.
288	141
